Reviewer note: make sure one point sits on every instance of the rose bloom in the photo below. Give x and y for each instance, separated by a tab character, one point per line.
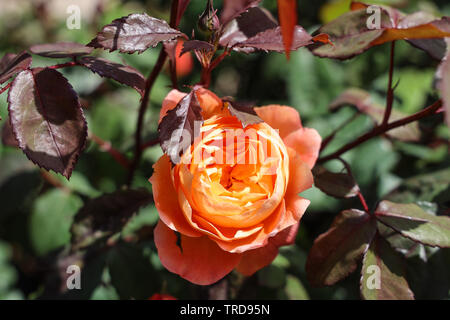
232	214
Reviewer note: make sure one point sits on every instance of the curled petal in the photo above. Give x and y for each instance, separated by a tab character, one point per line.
166	200
306	142
283	118
198	260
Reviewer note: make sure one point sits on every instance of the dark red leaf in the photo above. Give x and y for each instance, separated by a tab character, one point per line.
136	32
61	50
106	215
339	185
247	25
121	73
234	8
287	14
244	112
11	64
47	119
365	104
196	45
335	253
382	274
271	40
177	128
8	138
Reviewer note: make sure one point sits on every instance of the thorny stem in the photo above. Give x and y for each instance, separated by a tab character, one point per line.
360	195
383	128
390	90
107	147
206	72
144	102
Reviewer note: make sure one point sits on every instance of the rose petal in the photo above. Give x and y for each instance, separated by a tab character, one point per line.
300	175
166	200
285	119
199	260
306	142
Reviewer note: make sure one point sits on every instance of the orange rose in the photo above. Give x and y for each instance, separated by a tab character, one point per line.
238	202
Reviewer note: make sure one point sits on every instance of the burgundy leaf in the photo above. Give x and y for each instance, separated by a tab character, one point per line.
121	73
61	50
234	8
8	138
247	25
47	119
365	104
102	217
136	32
382	275
339	185
272	40
335	253
196	45
244	112
11	64
177	128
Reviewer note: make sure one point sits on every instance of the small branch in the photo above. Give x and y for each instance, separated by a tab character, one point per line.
390	90
149	144
360	195
107	147
50	179
144	102
206	72
378	130
5	88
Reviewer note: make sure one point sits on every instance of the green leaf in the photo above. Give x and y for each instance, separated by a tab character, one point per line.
335	253
294	289
50	220
414	223
382	274
339	185
272	276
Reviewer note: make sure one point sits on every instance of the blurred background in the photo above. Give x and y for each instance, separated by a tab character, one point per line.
37	208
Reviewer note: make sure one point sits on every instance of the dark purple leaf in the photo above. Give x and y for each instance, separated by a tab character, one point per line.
247	25
436	48
61	50
136	32
11	64
121	73
382	274
244	112
102	217
335	253
47	119
8	138
365	104
177	128
413	222
272	40
339	185
196	45
234	8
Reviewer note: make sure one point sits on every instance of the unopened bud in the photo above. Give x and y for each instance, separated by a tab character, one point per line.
208	21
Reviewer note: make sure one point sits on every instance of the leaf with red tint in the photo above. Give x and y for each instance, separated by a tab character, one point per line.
339	185
364	103
413	222
192	45
271	40
234	8
178	124
287	13
244	112
103	216
121	73
351	35
11	64
47	119
8	138
136	32
335	253
247	25
382	275
61	50
444	85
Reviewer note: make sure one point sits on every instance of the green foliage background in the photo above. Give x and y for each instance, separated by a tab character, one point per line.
35	217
